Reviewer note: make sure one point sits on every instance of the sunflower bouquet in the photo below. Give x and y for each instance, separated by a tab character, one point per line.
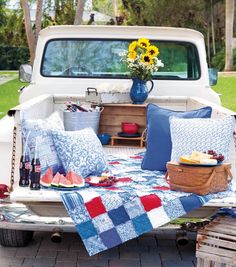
141	59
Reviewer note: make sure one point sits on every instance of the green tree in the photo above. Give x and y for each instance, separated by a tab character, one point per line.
64	12
104	6
172	13
229	25
2	12
13	32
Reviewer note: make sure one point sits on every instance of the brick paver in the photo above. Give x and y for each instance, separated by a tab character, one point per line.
150	250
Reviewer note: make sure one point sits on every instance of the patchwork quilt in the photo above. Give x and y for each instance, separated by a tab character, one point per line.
139	202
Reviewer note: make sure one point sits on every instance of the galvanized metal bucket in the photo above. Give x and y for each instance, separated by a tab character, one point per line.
74	121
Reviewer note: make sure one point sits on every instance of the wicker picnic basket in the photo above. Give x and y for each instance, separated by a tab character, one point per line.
198	179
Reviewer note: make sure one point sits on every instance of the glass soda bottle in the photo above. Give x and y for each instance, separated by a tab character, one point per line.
27	169
35	174
22	171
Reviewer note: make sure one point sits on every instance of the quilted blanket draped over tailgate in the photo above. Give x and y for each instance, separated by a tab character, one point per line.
139	202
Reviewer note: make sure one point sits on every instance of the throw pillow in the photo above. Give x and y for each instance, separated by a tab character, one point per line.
80	151
158	144
39	130
201	135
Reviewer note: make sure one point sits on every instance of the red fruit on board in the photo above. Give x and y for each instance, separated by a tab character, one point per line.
76	179
56	179
65	182
4	190
47	178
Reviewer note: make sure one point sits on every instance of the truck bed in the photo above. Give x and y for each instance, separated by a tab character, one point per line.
48	203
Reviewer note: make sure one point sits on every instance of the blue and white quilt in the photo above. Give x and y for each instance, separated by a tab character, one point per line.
139	202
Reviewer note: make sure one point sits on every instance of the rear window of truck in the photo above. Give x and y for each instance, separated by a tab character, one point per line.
92	58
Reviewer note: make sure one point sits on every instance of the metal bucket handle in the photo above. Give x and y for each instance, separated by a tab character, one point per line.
89	89
101	109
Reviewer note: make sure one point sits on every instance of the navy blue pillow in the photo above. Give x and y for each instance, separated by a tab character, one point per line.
159	144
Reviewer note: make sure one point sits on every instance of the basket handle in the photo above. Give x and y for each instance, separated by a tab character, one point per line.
230	175
199	187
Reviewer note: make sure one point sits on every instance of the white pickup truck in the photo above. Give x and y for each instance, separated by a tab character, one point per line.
69	59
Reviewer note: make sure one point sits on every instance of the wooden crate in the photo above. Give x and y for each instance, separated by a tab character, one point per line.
114	114
216	243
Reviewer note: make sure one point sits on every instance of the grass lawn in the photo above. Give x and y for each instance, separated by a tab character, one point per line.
9	95
9	92
227	87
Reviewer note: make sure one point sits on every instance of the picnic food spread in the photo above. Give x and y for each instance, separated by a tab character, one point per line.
59	180
196	157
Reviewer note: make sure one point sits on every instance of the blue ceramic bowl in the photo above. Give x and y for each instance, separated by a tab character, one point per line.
104	138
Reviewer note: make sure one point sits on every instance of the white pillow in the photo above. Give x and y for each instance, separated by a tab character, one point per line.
201	135
39	129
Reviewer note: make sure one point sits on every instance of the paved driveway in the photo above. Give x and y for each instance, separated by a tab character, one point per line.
149	250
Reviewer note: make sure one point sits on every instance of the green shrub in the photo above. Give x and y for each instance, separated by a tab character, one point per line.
12	57
218	61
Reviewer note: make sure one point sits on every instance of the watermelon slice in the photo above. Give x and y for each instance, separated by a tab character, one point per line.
76	179
56	179
47	178
63	182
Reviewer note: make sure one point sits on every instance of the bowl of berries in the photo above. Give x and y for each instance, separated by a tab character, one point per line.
103	181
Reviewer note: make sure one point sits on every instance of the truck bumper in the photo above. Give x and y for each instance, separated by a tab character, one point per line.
19	217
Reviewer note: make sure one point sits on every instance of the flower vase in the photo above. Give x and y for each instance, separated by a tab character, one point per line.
139	91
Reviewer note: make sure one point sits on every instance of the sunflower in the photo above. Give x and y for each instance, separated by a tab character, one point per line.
153	50
143	42
132	46
146	58
132	55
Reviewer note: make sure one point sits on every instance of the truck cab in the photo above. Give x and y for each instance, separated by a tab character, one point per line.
71	58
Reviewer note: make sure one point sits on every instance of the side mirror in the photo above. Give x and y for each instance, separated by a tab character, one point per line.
213	76
25	73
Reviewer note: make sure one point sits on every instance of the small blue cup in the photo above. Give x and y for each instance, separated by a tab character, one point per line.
104	138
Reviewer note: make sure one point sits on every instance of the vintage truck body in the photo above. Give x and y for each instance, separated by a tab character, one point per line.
59	74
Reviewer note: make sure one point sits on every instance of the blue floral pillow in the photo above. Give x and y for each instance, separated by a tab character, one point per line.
201	135
39	130
80	151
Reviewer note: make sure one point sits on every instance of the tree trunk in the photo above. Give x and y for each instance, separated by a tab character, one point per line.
229	23
115	7
39	13
79	12
213	29
28	28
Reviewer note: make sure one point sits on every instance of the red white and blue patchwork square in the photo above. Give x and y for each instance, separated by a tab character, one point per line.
150	202
174	209
86	229
102	223
158	217
142	224
126	231
95	207
134	208
110	238
88	197
94	245
119	215
111	201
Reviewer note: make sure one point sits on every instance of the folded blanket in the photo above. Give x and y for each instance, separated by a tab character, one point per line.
139	202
